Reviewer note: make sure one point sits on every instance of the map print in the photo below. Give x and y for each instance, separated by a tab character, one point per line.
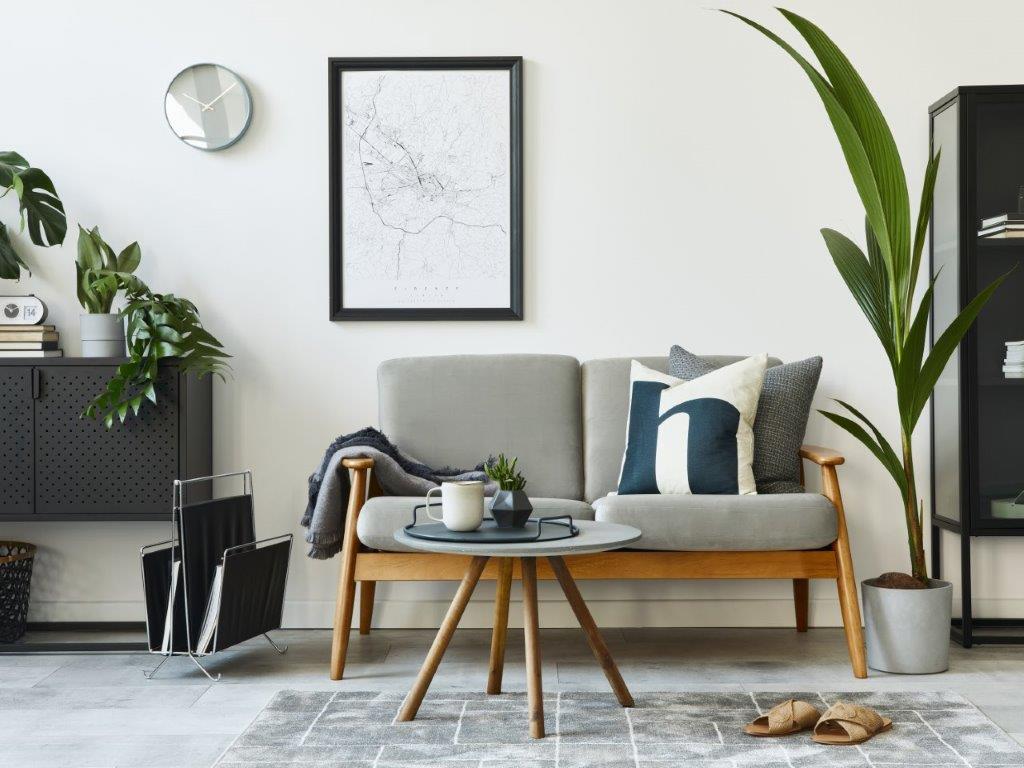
425	188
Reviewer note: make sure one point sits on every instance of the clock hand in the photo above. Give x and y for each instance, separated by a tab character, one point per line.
221	96
205	107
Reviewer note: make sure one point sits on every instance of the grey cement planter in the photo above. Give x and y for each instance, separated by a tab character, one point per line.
907	630
102	335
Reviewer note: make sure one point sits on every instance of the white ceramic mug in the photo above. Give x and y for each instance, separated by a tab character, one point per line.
462	504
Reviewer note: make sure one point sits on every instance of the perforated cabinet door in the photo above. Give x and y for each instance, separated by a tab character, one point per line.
82	468
15	441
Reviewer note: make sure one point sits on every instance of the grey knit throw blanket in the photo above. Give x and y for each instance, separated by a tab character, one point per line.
397	473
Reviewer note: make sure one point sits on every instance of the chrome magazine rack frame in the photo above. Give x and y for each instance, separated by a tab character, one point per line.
178	544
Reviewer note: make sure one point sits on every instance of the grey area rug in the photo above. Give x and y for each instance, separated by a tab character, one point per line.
589	730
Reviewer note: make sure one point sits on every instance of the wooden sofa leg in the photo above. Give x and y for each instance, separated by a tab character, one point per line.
801	598
367	589
847	584
346	579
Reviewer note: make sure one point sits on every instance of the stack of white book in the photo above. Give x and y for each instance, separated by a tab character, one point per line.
1013	363
1002	226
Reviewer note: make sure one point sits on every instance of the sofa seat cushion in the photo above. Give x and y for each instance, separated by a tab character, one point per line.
381	516
681	523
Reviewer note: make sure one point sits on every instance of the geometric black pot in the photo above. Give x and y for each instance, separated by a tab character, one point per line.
511	509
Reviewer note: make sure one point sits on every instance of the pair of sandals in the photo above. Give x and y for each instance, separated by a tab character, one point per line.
841	724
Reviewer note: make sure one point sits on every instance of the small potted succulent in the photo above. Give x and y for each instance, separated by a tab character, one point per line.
510	506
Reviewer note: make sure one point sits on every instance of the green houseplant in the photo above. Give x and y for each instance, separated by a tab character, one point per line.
884	282
159	326
510	506
42	212
100	274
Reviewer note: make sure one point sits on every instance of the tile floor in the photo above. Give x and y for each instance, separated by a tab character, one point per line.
98	711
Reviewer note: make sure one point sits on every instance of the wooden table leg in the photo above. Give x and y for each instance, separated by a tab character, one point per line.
412	702
531	631
593	634
498	634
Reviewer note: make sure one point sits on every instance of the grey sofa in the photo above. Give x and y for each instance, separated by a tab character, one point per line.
566	422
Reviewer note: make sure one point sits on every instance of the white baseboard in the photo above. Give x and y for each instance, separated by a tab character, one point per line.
427	613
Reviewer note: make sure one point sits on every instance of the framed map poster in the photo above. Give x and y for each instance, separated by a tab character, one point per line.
426	186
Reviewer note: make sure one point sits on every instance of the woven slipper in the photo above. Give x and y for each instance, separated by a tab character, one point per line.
848	724
783	719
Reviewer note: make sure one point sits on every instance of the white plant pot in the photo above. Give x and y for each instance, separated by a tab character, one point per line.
102	335
907	630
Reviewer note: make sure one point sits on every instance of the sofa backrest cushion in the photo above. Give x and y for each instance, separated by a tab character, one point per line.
605	410
456	410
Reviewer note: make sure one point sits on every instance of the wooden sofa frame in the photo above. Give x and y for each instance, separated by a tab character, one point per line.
359	564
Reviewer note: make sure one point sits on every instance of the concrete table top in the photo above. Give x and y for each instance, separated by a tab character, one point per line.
594	536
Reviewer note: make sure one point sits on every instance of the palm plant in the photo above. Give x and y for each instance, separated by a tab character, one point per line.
884	281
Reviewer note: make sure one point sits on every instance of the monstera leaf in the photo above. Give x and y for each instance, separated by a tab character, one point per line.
42	212
10	262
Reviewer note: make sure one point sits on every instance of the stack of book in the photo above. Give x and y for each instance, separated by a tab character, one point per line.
1013	363
1004	225
29	341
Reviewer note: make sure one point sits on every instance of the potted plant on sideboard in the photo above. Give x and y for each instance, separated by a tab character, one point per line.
100	275
907	616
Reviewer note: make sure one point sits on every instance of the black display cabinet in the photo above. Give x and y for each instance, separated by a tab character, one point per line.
977	408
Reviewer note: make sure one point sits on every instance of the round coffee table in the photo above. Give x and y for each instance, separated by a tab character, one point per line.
593	537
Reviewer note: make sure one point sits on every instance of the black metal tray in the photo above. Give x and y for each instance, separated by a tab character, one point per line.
537	529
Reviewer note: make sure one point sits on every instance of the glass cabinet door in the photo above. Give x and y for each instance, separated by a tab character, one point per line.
998	189
945	257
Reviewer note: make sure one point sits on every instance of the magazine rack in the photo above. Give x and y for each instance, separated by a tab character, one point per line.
212	585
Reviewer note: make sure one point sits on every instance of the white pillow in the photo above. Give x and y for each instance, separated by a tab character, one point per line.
692	436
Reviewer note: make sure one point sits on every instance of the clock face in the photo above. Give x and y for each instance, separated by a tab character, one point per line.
208	106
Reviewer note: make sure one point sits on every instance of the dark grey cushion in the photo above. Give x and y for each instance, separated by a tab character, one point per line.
457	410
381	516
697	523
781	418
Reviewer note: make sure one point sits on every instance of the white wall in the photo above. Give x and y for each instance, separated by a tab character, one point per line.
678	167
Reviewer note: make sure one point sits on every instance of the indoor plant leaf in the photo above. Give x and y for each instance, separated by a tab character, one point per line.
849	140
860	278
47	224
10	262
128	260
879	145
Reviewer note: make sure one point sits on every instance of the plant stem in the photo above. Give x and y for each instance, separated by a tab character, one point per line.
915	538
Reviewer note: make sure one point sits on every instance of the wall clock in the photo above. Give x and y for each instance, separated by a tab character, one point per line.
208	106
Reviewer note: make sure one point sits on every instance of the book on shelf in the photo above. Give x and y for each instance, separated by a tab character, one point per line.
27	333
32	353
1003	218
25	346
1002	231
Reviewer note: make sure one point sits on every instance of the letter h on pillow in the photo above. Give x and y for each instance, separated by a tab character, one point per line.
692	436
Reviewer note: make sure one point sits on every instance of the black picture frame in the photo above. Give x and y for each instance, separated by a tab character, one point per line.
514	65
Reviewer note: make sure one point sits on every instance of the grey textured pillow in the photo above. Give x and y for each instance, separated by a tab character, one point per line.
781	418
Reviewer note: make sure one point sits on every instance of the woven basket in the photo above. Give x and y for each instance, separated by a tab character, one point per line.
16	558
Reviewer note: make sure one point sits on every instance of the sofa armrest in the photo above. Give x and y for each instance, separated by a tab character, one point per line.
823	457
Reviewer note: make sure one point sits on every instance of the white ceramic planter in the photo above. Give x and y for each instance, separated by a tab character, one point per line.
102	335
907	630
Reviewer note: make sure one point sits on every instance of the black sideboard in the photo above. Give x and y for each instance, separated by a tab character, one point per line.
56	465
